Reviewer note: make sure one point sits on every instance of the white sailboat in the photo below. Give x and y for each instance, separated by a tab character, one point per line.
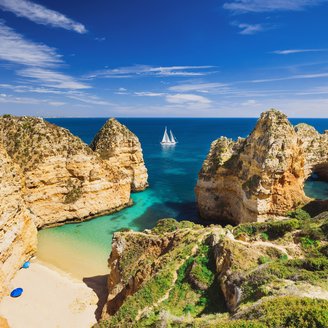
168	140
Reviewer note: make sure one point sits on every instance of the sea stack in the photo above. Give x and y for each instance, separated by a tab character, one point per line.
64	180
119	147
263	175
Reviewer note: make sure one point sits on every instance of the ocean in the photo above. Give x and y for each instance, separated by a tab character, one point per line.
82	249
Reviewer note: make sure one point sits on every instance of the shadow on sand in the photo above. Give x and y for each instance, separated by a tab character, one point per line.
99	285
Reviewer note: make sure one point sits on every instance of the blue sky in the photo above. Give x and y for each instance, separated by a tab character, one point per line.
186	58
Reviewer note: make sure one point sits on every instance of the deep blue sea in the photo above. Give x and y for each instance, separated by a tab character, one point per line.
83	248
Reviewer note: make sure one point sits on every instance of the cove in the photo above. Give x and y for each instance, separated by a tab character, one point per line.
82	249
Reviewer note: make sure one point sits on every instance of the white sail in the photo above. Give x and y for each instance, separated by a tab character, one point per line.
172	137
166	138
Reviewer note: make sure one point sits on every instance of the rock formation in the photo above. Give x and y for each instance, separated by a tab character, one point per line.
315	146
48	177
186	275
64	179
263	175
18	235
117	145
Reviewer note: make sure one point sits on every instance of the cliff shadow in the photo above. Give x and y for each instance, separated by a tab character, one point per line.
99	285
316	207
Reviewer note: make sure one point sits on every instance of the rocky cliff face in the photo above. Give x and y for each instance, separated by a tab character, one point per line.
64	179
118	146
315	146
184	275
262	175
18	235
48	177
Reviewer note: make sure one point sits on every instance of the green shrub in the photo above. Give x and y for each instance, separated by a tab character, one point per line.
165	225
283	257
264	236
291	312
308	243
278	229
270	230
263	259
324	250
299	214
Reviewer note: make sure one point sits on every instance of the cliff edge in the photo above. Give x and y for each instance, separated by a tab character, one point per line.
263	175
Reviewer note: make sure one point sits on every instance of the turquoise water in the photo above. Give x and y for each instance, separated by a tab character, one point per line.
83	248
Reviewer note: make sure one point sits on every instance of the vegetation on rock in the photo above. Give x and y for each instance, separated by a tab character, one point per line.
270	274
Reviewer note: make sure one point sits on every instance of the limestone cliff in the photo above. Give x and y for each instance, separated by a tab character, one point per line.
116	144
64	179
262	175
315	147
18	235
186	275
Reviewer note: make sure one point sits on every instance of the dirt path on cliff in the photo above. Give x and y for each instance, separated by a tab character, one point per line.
283	249
167	294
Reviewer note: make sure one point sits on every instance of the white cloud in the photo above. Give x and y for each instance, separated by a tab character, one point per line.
52	79
38	58
146	70
149	94
248	29
41	15
183	98
244	6
198	87
293	77
296	51
9	99
89	99
250	102
15	49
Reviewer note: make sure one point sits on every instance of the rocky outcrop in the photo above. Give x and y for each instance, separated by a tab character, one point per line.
315	146
118	146
64	179
18	234
263	175
184	275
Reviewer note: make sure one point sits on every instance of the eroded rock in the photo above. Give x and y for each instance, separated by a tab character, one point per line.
117	145
263	175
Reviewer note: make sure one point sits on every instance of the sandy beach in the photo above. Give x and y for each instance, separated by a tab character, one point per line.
51	299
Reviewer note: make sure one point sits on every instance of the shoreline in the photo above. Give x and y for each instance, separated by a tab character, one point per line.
53	298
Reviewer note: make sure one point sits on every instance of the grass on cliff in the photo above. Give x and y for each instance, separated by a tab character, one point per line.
287	312
196	290
312	267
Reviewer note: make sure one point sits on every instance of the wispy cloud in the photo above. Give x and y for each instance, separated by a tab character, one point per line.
146	70
198	87
89	99
249	29
15	49
41	15
149	94
244	6
296	51
39	60
52	78
183	98
293	77
9	99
